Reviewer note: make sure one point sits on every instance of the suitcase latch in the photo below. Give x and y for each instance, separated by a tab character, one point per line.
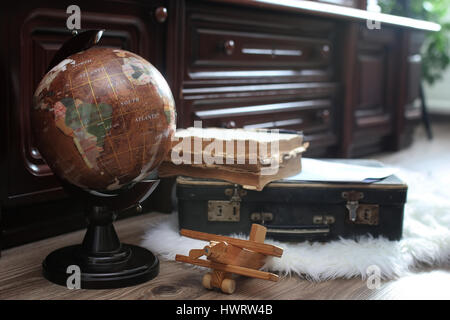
226	211
352	205
360	213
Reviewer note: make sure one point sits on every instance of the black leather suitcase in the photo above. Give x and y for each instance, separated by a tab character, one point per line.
295	210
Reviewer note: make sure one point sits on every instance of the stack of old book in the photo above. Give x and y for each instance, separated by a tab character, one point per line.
251	158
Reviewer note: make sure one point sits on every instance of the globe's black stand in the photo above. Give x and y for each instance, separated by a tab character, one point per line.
104	262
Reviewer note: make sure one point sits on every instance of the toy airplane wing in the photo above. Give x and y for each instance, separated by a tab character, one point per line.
253	245
228	268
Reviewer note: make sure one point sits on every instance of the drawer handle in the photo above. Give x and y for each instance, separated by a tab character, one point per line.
229	47
273	52
161	14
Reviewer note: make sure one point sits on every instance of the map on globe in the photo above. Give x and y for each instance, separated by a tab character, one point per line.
103	118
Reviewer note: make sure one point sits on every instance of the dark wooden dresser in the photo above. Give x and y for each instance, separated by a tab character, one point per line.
302	65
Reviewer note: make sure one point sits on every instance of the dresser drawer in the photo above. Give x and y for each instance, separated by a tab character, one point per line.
231	44
222	48
306	115
260	105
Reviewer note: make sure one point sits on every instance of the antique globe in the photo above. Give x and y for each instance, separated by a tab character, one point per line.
103	119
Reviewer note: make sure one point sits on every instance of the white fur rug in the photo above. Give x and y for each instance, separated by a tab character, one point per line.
426	241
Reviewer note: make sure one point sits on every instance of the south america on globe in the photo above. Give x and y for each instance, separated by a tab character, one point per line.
103	119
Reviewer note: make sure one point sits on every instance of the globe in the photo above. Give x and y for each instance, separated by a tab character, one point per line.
103	119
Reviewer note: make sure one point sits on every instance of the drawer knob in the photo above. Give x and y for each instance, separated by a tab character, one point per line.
229	47
229	124
326	49
35	153
324	115
161	14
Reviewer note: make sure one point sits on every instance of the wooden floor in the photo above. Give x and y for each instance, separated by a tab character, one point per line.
21	278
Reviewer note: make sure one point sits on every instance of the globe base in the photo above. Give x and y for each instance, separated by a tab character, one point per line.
139	265
101	261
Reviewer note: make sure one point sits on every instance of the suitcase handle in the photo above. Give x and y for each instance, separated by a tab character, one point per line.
298	230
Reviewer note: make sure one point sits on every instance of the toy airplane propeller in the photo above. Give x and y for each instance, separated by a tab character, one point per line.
225	256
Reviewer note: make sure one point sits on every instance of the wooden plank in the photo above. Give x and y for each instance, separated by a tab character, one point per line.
267	249
228	268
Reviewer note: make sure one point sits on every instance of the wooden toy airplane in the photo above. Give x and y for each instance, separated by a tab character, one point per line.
225	256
